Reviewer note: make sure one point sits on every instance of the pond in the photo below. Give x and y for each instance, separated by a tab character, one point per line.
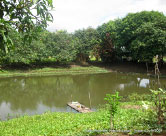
36	95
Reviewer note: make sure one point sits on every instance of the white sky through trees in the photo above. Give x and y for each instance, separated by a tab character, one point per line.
72	15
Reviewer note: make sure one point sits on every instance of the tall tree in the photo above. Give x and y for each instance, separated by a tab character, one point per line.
24	16
60	46
108	37
86	40
142	35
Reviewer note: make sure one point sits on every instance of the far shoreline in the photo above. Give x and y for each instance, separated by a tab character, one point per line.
77	69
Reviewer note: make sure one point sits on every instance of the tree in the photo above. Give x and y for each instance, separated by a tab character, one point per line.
25	16
150	41
86	40
113	102
142	35
24	54
60	46
108	35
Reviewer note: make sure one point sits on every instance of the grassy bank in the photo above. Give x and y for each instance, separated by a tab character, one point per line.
53	71
73	124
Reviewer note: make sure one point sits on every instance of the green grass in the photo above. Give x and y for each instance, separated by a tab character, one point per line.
76	124
53	71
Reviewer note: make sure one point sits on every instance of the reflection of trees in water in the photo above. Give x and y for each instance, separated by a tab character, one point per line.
11	92
27	93
59	91
55	91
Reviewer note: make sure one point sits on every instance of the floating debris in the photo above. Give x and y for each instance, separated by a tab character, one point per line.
79	107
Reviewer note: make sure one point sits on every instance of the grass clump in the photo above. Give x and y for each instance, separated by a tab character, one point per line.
53	71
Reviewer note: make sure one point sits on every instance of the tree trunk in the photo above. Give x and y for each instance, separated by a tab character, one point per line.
147	68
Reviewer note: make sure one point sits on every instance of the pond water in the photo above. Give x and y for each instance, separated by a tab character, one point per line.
36	95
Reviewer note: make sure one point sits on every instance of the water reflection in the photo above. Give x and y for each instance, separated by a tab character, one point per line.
35	95
144	83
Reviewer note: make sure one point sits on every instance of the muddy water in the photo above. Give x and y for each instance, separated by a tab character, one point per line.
36	95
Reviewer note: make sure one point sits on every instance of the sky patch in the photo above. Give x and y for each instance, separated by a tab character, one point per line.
72	15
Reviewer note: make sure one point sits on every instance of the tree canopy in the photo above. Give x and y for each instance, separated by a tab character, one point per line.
25	16
139	36
86	40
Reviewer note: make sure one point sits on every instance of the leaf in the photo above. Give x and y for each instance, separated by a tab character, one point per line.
4	37
38	10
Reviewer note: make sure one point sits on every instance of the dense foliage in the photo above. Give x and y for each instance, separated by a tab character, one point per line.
24	16
86	41
60	46
143	35
138	37
107	33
